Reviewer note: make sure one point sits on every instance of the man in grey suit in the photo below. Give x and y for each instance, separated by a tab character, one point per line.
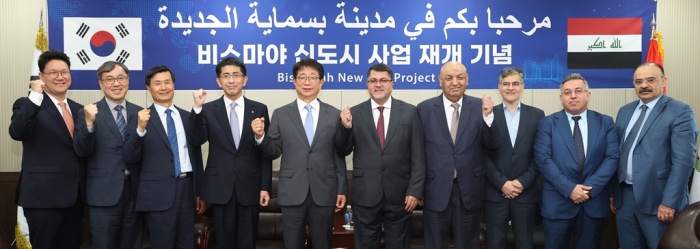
389	163
111	182
312	176
512	193
657	136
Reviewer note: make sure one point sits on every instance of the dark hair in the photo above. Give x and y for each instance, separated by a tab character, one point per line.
230	61
109	66
308	63
381	67
50	55
573	76
155	70
643	64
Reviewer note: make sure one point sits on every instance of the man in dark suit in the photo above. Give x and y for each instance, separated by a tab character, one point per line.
237	179
512	193
170	164
52	182
458	130
577	153
389	163
111	192
312	175
657	136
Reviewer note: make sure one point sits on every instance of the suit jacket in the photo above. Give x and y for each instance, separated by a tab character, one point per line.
466	155
319	167
152	151
52	173
397	169
227	166
105	157
555	154
511	162
663	157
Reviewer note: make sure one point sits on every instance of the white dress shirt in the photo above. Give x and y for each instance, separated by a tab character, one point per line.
37	98
449	110
240	109
185	165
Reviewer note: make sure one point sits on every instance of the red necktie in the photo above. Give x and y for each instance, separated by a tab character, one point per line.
67	117
380	125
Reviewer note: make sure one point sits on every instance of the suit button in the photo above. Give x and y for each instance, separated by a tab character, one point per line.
309	152
172	176
452	173
455	156
307	168
234	170
171	160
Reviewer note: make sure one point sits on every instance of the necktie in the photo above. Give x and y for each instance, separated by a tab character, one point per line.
67	117
380	125
627	145
578	142
121	123
234	125
309	124
455	122
172	137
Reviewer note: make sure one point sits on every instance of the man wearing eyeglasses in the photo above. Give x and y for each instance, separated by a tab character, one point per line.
99	136
388	163
237	179
312	175
512	193
657	136
52	182
577	152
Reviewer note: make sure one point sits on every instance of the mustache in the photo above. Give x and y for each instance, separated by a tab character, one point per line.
645	90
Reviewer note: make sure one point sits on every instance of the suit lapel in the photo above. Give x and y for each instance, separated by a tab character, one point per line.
525	114
500	121
593	123
652	116
439	110
464	115
323	117
158	126
562	124
368	120
222	117
295	117
48	105
394	120
107	117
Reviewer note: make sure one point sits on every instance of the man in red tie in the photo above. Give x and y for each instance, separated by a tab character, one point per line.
51	184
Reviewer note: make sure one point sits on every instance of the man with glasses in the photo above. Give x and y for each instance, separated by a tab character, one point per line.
657	136
52	181
577	152
458	130
512	193
312	175
237	179
99	136
389	163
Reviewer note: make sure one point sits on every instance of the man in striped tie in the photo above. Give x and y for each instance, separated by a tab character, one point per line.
99	136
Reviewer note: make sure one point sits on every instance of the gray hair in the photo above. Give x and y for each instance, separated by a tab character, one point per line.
109	66
572	76
508	71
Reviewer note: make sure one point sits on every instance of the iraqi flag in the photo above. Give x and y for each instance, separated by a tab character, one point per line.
602	43
90	42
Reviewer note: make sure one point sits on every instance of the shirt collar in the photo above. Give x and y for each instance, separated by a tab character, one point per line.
54	100
505	107
448	103
161	110
239	102
651	104
314	104
111	104
386	105
584	116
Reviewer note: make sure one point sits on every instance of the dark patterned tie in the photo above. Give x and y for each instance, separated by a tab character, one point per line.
578	141
380	125
121	123
627	145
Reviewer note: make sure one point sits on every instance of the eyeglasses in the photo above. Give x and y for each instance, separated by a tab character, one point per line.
650	80
120	79
304	78
64	74
227	76
577	91
509	84
374	81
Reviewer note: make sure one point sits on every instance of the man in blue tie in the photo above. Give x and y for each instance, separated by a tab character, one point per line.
312	175
171	164
577	152
657	136
111	183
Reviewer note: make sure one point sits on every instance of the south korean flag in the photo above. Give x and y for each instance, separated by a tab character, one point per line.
89	42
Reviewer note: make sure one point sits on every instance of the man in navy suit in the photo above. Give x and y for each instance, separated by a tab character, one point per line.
111	192
512	193
576	151
170	164
52	182
458	129
237	179
657	136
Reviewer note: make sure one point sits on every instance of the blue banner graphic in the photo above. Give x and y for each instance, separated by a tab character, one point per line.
415	38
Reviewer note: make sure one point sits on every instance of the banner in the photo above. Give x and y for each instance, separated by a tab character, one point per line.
548	39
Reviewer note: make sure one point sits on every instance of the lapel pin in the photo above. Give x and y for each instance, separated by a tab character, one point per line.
252	111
